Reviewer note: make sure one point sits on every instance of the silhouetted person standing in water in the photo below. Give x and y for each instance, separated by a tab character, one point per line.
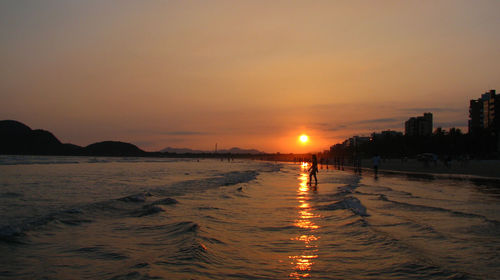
313	170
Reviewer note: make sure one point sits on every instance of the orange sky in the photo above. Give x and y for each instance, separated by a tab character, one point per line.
253	74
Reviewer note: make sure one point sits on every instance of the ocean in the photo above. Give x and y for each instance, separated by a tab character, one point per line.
156	218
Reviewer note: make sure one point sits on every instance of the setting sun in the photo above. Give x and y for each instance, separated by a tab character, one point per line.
304	138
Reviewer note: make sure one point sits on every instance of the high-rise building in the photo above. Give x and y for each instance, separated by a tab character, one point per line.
419	126
386	134
355	141
475	116
482	117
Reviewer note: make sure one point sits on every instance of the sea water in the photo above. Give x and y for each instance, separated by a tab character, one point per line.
152	218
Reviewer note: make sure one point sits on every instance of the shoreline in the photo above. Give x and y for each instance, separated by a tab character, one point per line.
473	169
453	176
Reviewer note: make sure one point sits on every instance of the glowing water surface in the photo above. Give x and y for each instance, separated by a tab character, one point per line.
86	218
303	263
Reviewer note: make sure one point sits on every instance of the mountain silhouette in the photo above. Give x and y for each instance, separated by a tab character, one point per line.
182	151
236	150
17	138
233	150
113	148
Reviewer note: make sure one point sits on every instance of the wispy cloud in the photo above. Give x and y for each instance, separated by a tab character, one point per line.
431	109
184	133
451	124
376	121
361	124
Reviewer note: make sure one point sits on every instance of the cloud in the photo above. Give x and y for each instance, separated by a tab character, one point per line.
380	123
185	133
382	120
337	127
451	124
431	109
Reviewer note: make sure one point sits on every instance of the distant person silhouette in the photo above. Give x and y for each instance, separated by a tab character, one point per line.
376	163
356	162
313	170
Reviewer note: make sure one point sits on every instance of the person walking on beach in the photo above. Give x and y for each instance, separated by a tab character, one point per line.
356	162
376	162
313	170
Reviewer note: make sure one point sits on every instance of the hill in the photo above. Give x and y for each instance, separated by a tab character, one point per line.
17	138
113	148
236	150
181	151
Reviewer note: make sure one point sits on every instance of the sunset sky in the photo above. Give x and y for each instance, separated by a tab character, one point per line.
251	74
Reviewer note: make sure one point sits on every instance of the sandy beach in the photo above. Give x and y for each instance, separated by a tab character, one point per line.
481	168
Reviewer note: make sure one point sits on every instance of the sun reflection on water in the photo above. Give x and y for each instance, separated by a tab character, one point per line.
302	263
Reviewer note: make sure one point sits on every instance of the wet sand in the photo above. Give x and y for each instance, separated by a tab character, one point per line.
481	168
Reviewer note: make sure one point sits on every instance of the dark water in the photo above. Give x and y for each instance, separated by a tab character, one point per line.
86	218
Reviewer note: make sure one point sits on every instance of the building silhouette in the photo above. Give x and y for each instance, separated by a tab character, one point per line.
355	141
386	134
482	117
419	126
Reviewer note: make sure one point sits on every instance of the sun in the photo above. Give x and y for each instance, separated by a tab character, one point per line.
304	138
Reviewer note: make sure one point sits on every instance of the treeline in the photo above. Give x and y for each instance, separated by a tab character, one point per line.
452	143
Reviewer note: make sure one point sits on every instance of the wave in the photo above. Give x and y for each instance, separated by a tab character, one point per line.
345	200
135	205
172	231
343	178
208	208
359	222
15	232
140	197
182	228
421	271
270	167
427	265
349	203
418	207
222	179
148	210
282	228
29	160
189	243
11	195
347	188
11	233
132	205
135	275
99	253
165	201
